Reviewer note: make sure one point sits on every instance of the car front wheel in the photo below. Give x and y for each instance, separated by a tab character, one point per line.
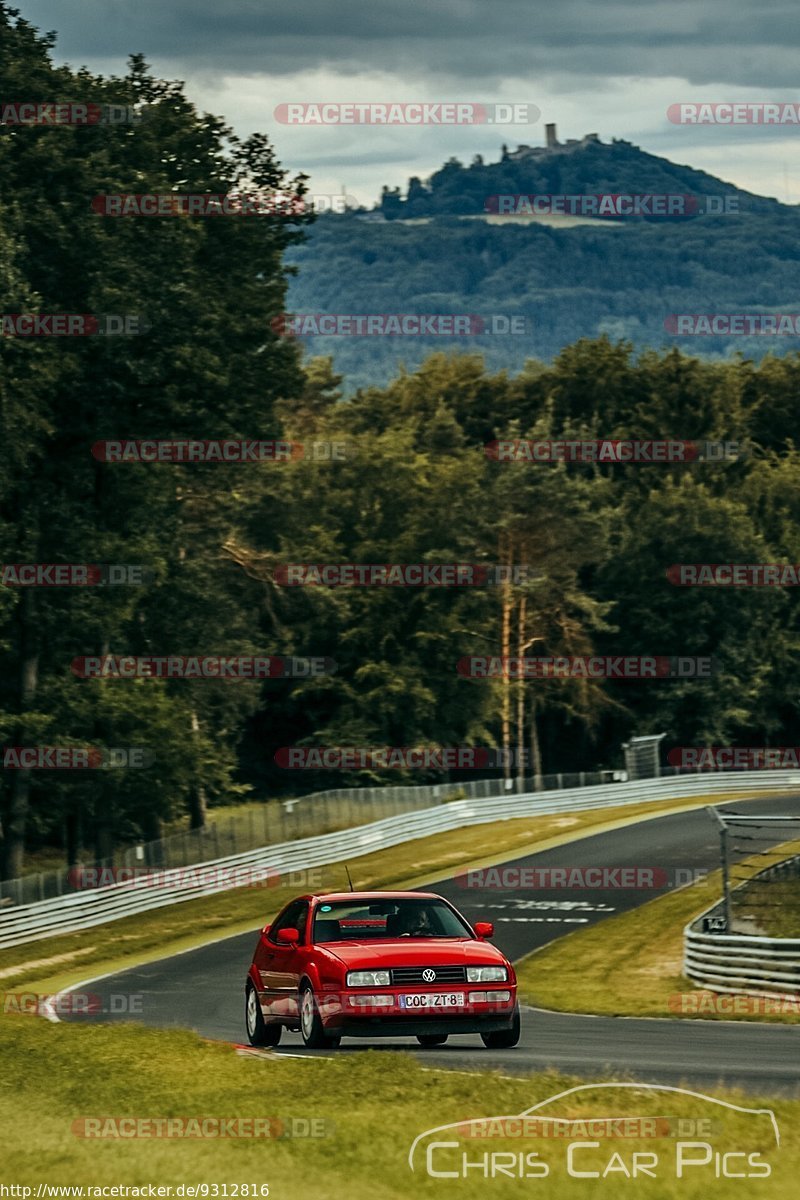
259	1032
503	1039
311	1026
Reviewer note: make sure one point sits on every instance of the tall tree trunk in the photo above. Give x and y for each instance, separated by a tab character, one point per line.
73	835
198	802
505	678
536	750
14	832
103	824
520	751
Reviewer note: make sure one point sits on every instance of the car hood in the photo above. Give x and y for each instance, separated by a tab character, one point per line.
411	952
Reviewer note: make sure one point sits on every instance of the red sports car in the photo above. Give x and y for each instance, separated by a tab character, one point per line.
379	964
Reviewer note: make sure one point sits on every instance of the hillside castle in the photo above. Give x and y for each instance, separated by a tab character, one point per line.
551	143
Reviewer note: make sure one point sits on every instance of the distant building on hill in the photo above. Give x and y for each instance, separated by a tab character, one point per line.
553	145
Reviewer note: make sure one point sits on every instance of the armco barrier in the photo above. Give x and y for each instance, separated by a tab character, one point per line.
234	832
82	910
744	963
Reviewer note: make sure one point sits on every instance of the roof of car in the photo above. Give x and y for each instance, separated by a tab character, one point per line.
373	896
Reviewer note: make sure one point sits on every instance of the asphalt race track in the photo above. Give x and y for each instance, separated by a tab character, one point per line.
204	989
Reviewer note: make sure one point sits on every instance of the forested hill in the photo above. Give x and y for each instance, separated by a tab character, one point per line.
587	167
568	277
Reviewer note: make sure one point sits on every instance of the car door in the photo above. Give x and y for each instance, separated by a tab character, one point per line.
280	964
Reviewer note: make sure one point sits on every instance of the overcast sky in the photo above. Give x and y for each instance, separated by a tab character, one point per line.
606	66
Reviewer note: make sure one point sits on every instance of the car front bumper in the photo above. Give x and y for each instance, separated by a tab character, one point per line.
415	1026
342	1013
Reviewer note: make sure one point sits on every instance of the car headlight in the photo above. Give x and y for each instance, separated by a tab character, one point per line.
486	974
369	978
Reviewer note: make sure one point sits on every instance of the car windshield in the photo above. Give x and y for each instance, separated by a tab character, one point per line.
343	920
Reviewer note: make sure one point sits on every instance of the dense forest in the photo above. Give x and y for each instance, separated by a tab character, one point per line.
415	484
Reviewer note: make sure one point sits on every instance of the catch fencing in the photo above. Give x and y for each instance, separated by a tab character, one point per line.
732	960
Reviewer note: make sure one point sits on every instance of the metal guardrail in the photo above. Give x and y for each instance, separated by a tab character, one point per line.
281	820
83	910
747	964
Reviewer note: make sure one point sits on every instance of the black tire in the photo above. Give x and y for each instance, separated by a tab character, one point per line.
428	1040
311	1028
259	1033
503	1039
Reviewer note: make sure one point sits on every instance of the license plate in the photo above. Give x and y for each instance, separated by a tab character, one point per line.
432	1000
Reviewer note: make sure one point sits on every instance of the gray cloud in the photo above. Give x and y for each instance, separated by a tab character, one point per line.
750	44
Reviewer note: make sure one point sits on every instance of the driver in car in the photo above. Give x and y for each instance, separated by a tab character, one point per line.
414	922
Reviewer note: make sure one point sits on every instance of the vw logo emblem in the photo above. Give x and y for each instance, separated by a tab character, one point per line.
428	975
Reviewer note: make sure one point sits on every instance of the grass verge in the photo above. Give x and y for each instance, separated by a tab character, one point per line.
58	1076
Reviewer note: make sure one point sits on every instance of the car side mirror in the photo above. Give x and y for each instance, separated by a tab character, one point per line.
288	937
484	929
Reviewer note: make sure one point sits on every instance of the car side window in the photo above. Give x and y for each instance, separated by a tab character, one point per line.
292	917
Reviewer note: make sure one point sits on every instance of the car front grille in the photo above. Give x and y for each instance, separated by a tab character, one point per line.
406	975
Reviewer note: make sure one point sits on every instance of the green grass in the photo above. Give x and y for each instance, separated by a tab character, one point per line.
631	964
57	962
373	1105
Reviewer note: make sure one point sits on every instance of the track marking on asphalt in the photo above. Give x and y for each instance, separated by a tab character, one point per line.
544	920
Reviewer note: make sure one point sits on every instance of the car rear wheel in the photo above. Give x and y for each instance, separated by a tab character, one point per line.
431	1039
503	1039
259	1032
311	1027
